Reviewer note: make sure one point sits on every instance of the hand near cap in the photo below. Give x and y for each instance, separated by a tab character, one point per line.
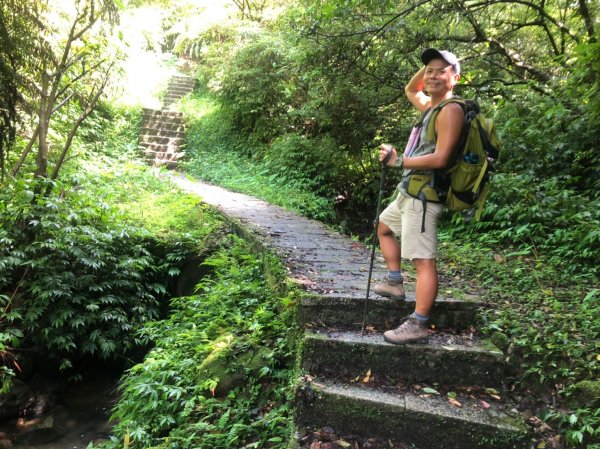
386	149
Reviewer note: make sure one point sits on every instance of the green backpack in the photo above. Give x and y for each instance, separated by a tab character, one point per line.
464	184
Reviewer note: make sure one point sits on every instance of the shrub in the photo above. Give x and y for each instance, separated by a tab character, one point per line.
80	279
253	88
172	399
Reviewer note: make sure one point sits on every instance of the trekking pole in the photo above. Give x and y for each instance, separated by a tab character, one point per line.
375	225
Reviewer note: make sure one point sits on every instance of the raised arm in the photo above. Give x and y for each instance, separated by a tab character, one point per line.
414	91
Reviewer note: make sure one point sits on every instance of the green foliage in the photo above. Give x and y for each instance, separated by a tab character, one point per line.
580	427
214	155
547	319
310	162
85	280
82	269
167	401
253	88
544	217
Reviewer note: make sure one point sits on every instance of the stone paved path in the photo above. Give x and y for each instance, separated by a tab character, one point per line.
333	270
320	259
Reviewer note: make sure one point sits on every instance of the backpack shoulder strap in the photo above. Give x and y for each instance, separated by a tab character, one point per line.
431	127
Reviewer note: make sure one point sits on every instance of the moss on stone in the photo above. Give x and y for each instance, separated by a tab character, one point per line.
585	394
229	371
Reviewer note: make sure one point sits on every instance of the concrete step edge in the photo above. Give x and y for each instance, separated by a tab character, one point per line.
446	359
403	418
338	310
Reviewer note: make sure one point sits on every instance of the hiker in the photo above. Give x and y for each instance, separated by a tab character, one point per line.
413	220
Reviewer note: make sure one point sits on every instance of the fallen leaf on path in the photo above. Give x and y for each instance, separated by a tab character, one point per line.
485	405
454	402
367	377
430	390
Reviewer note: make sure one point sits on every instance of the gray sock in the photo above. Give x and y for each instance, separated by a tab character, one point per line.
395	277
420	318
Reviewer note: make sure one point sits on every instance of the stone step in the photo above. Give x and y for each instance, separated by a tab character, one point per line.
161	133
181	85
163	118
147	128
177	90
447	359
332	310
183	78
159	148
428	421
161	113
165	125
165	140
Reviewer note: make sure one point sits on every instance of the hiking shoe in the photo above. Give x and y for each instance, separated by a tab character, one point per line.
389	289
409	331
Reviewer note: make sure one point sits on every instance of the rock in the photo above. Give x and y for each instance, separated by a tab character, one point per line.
18	398
40	431
585	394
42	403
228	371
501	341
5	442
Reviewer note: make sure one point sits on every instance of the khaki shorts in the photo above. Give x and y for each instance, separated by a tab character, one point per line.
404	217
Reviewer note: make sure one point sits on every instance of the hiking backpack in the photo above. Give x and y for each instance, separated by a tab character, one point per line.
464	184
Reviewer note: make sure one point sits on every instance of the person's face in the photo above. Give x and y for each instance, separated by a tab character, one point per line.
439	77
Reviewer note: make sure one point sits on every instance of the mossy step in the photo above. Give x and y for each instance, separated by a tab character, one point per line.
427	421
331	310
162	119
449	359
160	127
178	90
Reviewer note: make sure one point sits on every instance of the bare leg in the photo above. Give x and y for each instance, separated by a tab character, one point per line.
390	248
427	285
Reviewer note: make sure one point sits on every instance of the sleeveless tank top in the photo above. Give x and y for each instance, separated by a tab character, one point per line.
424	146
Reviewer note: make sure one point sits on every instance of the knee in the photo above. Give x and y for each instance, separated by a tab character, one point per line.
425	265
383	230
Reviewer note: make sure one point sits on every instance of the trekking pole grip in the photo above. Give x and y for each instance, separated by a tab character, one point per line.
388	156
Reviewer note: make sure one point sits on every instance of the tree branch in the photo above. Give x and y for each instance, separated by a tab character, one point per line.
512	56
541	11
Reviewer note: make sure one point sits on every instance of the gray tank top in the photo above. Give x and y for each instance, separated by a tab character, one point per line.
424	146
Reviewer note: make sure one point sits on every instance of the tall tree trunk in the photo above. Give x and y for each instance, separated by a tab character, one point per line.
44	118
589	23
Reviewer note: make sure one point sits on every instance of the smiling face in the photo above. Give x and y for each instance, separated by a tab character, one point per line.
439	77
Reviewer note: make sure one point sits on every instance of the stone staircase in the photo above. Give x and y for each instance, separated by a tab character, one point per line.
446	394
179	86
358	391
162	132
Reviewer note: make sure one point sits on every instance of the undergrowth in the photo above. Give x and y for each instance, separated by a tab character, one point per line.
544	320
221	371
